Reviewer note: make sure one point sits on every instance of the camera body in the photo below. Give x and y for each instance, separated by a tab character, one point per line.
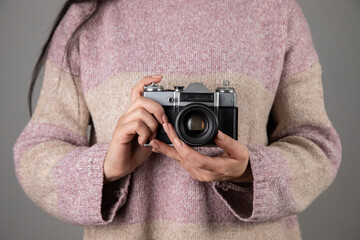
196	113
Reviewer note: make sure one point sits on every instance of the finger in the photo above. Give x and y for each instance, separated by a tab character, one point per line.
188	155
217	165
235	148
125	132
145	116
165	149
201	170
179	145
138	90
151	106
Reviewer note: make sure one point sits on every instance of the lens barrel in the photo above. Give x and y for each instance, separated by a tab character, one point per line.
196	124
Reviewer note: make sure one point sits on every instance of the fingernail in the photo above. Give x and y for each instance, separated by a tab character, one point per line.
220	135
166	127
165	119
178	143
154	145
156	76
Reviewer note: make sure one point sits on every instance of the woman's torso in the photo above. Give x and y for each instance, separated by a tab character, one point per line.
185	41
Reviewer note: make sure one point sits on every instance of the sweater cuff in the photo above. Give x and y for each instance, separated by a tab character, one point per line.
84	199
257	201
114	196
238	197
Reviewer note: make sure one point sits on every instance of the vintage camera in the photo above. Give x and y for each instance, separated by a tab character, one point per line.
196	113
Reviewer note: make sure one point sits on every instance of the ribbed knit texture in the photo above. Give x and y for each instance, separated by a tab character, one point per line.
265	50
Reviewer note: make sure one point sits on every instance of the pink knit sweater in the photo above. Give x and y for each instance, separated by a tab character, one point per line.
264	48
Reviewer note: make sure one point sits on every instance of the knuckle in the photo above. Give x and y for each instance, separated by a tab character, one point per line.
140	112
154	127
133	90
147	134
141	100
156	107
138	123
119	121
138	101
159	108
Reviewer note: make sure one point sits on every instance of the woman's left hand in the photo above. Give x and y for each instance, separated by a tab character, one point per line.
232	165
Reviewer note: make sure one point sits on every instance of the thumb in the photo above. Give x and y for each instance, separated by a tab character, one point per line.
235	148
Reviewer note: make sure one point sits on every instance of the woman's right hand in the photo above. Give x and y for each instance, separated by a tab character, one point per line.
126	152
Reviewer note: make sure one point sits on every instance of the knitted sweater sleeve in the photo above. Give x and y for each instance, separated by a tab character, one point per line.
54	162
304	150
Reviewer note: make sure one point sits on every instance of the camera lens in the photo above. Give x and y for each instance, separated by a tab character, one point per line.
196	124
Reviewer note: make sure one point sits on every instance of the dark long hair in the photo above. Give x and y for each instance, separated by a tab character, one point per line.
97	4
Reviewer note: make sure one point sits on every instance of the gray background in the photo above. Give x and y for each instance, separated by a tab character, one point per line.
335	26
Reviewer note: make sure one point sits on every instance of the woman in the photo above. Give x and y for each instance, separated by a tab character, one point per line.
287	151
